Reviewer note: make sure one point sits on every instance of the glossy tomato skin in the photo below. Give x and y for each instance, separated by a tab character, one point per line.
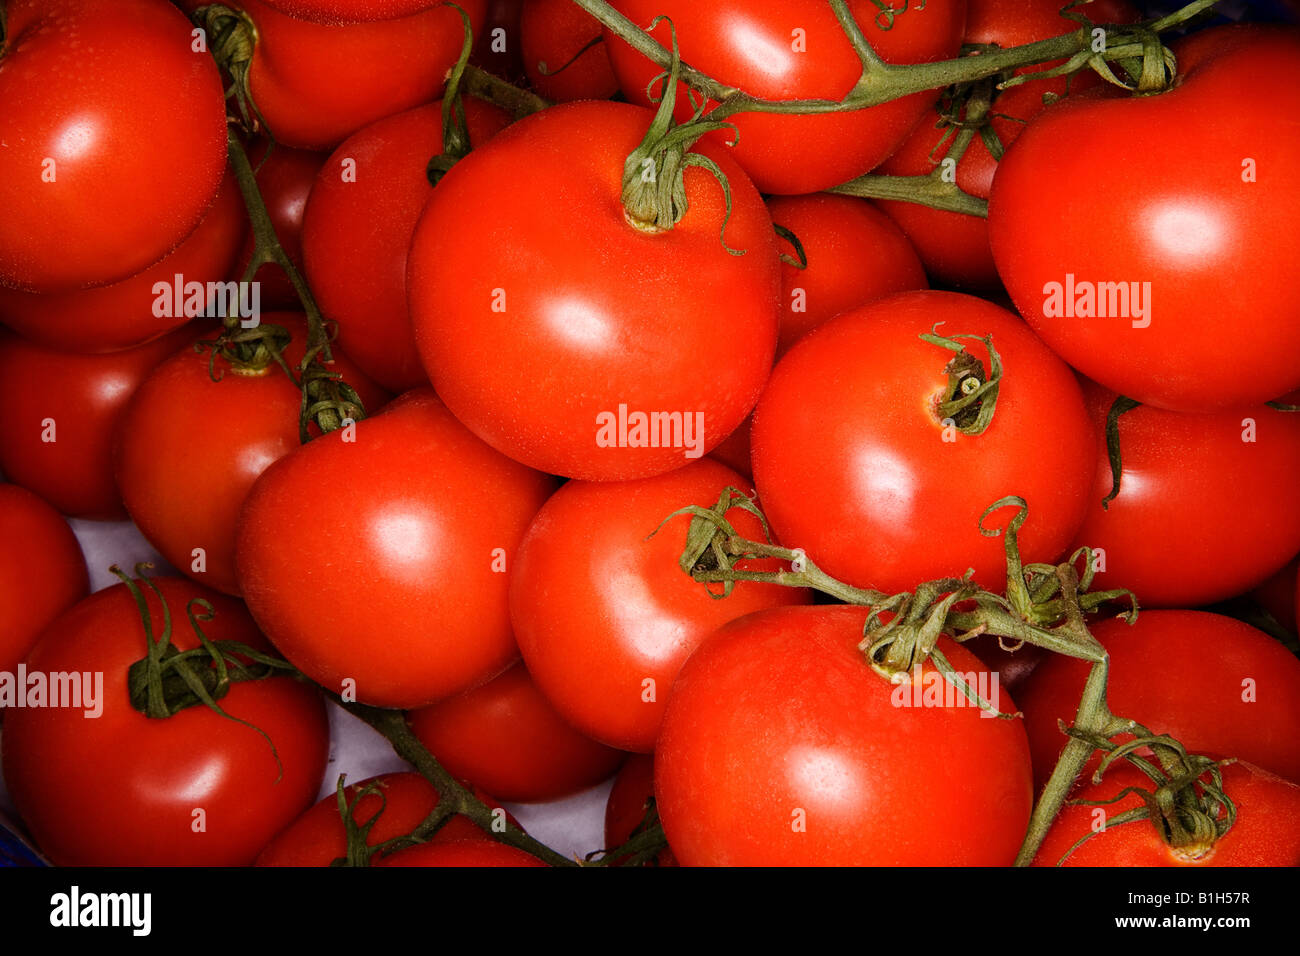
782	747
377	604
1181	219
1233	471
505	737
552	32
183	492
1265	832
284	178
56	437
122	789
42	571
461	853
1216	684
110	166
854	464
619	319
604	617
754	46
356	233
349	11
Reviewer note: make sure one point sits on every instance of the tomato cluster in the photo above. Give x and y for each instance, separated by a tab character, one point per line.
520	409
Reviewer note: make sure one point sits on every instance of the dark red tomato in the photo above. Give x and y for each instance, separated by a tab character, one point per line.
497	47
780	741
1216	684
185	493
284	179
403	592
525	260
109	166
629	799
316	83
42	571
194	789
357	230
317	837
553	33
794	49
462	853
1265	832
604	617
346	11
506	737
56	436
1206	507
1278	595
854	464
121	315
1123	296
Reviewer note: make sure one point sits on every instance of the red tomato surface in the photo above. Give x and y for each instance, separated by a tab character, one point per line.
604	617
284	178
628	800
1279	594
461	853
42	571
543	315
755	47
780	741
61	410
110	165
403	590
123	789
854	464
505	737
347	11
1194	195
1216	684
357	231
552	32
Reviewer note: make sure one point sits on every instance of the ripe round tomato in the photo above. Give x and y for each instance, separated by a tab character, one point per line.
109	166
356	233
782	747
1216	684
552	32
1234	471
506	737
1265	832
605	617
793	49
524	260
61	410
461	853
403	591
628	801
42	572
855	465
193	789
185	495
284	178
1122	293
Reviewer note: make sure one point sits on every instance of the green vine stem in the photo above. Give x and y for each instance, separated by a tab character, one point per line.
492	89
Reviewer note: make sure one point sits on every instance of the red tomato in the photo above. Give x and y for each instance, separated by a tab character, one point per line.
552	32
793	49
193	789
1234	471
1279	594
42	572
496	45
1265	832
335	11
362	596
780	741
192	504
1216	684
854	464
604	617
317	837
619	318
356	233
118	316
628	801
462	853
1122	296
284	179
109	166
61	409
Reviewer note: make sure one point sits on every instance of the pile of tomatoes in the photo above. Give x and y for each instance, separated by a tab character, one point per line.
557	381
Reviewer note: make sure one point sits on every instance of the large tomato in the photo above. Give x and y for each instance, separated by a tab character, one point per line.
794	49
121	789
107	166
402	592
1132	294
782	747
555	329
854	462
